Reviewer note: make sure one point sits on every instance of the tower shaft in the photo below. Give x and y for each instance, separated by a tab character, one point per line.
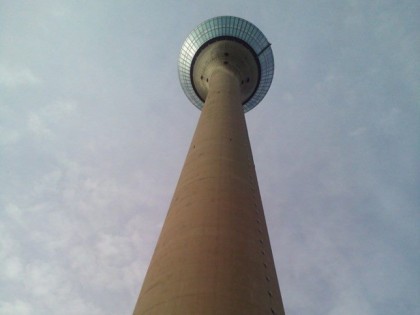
213	255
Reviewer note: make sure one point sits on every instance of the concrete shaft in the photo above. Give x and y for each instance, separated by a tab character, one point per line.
213	255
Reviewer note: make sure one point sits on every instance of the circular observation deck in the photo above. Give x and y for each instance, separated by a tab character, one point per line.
230	42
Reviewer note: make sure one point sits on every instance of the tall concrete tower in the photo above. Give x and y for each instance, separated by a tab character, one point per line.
213	256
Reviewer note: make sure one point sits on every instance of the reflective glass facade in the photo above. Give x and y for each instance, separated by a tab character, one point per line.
223	26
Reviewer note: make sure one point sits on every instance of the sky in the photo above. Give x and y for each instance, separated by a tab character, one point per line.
94	129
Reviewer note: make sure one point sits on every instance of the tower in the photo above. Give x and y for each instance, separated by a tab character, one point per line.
213	255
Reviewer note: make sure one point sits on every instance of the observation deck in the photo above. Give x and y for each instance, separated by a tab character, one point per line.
234	44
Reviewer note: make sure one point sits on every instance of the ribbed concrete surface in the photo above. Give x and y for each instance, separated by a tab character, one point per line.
213	255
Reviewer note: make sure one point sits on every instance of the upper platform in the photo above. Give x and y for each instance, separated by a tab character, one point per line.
229	41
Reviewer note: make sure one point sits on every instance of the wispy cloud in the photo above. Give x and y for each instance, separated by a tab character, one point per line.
18	76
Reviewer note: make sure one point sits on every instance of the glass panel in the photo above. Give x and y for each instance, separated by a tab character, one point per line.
226	26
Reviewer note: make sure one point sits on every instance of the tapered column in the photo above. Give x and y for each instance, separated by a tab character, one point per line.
213	255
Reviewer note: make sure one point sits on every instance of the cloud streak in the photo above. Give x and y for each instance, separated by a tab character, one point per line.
14	77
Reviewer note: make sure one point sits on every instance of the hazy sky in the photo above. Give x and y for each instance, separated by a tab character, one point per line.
94	129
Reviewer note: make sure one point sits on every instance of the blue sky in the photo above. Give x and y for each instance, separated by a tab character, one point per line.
94	128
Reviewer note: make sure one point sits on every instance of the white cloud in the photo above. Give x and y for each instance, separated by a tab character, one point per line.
350	302
37	126
8	137
11	268
58	110
17	307
43	279
41	122
15	76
